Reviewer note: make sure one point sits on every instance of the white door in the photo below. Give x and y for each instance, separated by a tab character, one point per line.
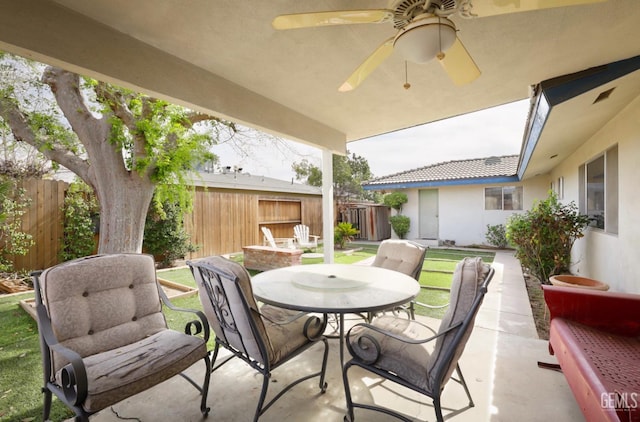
428	213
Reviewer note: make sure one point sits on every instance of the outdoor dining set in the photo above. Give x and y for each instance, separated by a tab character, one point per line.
104	337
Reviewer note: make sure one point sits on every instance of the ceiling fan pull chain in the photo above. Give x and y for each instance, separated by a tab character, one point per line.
440	54
406	85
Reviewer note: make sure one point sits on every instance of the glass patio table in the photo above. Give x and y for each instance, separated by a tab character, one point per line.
335	289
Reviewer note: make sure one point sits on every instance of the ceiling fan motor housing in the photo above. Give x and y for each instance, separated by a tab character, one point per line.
424	38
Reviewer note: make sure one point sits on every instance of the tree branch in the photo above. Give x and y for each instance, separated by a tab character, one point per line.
196	117
116	103
66	89
93	133
22	132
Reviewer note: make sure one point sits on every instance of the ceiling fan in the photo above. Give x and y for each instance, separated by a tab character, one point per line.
424	31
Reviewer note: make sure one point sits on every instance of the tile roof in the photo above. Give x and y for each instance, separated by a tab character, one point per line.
458	170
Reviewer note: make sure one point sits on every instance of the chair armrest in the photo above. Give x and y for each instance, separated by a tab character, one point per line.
74	375
365	341
617	313
426	305
313	328
194	327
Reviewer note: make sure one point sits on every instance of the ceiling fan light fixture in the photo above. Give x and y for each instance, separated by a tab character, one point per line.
422	40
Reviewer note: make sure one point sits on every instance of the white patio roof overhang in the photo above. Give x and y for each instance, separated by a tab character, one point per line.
225	58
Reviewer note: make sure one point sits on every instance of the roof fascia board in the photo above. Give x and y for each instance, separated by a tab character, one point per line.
555	91
443	183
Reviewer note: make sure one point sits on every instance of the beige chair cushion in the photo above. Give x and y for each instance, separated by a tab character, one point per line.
285	329
97	305
401	256
128	370
278	329
414	362
107	308
244	338
467	279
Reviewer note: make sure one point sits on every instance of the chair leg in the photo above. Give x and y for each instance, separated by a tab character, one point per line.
349	417
205	386
263	395
464	385
323	384
46	408
438	409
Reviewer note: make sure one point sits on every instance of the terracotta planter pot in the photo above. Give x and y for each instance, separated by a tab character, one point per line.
567	280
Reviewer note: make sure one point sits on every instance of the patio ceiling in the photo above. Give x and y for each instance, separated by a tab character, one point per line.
224	58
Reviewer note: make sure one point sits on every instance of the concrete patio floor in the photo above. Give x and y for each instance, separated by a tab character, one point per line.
499	364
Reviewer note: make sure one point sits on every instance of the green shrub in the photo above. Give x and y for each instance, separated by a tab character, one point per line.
164	235
80	210
497	235
396	200
543	236
400	225
344	233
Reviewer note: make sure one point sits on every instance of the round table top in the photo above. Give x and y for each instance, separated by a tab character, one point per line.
334	288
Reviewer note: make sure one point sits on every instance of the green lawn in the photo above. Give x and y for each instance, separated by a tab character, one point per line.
20	361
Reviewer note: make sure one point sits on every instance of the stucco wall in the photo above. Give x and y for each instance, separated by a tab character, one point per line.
614	259
462	217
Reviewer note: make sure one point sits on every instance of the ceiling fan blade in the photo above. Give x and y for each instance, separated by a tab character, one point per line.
481	8
459	65
336	17
368	66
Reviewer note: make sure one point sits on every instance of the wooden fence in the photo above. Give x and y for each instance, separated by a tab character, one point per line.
43	221
372	220
222	221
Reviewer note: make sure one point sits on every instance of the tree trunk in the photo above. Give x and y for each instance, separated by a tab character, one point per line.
123	211
124	195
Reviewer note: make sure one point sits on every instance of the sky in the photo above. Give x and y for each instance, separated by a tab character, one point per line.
494	131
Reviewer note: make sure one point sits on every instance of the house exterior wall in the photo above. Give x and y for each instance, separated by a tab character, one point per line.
611	258
461	214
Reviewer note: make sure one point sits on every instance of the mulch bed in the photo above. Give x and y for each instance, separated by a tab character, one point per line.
538	306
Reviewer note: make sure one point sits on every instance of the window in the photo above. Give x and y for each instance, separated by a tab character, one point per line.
599	191
560	188
503	198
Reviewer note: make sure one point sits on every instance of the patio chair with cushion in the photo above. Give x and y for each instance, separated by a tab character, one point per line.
104	337
303	239
399	350
264	337
406	257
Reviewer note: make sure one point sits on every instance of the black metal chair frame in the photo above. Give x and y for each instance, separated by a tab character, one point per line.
74	390
220	298
460	328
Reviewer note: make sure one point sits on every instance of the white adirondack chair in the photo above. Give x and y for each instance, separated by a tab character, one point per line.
276	243
304	240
